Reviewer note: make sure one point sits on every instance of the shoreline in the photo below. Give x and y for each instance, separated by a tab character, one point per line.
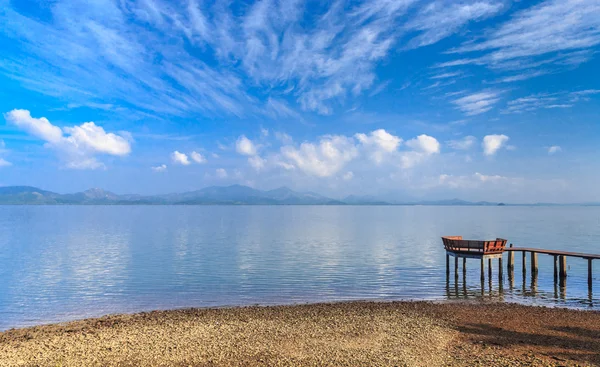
352	333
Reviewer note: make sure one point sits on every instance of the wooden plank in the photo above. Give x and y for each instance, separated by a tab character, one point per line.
554	252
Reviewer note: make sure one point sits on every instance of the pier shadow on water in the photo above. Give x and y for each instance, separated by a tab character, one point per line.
517	285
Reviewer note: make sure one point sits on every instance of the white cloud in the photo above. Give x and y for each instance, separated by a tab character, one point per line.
379	143
40	128
198	158
425	144
4	163
221	173
257	162
92	137
180	158
462	144
81	144
477	103
348	176
492	143
161	168
323	159
331	154
554	149
245	146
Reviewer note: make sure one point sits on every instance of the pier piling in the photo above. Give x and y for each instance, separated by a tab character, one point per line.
589	273
482	269
500	269
534	263
456	267
563	266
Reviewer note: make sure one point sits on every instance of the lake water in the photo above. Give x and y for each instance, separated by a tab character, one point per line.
61	263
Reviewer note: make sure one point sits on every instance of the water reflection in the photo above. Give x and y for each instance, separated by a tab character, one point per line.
60	263
530	291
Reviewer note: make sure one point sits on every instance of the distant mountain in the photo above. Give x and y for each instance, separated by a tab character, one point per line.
27	195
456	202
364	200
229	195
223	195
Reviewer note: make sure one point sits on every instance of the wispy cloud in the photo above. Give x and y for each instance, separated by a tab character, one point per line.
477	103
161	168
439	19
462	144
555	32
549	101
163	58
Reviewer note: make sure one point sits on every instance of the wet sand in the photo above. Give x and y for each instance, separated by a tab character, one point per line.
338	334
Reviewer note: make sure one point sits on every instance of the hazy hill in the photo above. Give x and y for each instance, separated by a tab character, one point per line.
227	195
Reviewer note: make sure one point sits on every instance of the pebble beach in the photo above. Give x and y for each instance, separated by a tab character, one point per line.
336	334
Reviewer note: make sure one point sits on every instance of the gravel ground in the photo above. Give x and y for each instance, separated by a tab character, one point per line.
339	334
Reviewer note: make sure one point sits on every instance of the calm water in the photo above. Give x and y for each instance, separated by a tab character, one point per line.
60	263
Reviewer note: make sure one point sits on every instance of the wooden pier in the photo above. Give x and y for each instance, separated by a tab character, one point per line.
560	260
488	250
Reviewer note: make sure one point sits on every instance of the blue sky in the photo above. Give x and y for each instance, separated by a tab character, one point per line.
482	100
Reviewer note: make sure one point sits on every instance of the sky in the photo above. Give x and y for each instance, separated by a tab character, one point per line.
408	99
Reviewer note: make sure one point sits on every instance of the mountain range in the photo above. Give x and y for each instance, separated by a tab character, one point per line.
232	195
214	195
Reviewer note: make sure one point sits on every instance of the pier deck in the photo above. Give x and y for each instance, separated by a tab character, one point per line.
560	260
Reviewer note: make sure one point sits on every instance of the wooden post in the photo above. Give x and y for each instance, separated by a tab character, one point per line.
456	267
589	273
464	266
534	263
524	263
555	268
563	266
447	264
511	260
490	268
482	270
500	269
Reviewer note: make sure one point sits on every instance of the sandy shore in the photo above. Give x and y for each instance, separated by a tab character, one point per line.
342	334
